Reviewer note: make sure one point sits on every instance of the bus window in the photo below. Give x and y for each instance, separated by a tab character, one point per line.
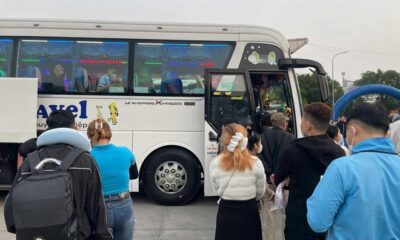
6	46
102	66
229	99
49	61
175	68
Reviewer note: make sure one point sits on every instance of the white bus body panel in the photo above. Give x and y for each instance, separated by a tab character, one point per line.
160	122
18	99
211	151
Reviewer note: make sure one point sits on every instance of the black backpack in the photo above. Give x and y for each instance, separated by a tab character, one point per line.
43	202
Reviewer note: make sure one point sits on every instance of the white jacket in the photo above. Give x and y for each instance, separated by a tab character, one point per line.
242	186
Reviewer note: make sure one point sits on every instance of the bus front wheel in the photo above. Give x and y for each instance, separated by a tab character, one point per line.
171	177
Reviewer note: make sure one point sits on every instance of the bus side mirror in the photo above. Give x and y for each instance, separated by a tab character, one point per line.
323	87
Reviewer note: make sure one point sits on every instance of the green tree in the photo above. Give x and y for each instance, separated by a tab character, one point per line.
310	92
388	78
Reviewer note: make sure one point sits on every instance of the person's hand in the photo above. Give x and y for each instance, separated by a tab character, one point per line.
272	179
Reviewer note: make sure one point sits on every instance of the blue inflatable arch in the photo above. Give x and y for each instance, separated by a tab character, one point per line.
364	90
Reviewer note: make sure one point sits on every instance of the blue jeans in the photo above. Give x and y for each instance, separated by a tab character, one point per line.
120	218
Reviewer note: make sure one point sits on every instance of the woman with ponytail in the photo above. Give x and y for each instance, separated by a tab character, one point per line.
238	178
114	163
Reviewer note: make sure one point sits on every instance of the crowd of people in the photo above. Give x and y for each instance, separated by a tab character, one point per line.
338	189
342	180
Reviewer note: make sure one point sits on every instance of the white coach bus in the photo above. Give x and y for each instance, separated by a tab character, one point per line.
165	89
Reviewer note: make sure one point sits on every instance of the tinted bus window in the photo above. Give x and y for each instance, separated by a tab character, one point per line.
67	66
230	101
176	68
6	46
102	66
48	60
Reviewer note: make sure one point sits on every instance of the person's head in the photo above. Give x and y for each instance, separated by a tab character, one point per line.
334	133
254	144
98	130
61	119
316	118
343	118
367	120
234	141
266	121
58	70
112	73
246	122
279	120
257	80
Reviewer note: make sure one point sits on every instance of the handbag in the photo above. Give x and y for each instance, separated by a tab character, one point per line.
133	172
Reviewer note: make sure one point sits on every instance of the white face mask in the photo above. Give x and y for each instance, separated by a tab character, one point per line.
260	149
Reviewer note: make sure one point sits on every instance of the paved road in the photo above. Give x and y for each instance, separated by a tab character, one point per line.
153	222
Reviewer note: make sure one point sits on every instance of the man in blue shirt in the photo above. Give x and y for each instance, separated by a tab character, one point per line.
359	195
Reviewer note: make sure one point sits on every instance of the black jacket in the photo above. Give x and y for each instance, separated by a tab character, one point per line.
274	142
87	189
304	161
27	147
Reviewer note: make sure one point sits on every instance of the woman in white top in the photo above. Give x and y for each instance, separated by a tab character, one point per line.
239	179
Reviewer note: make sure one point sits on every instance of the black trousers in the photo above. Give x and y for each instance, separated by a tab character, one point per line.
238	220
297	235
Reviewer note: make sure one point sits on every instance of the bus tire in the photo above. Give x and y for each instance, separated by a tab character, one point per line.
171	177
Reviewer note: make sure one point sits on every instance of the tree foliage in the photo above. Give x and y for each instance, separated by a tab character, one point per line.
310	92
388	78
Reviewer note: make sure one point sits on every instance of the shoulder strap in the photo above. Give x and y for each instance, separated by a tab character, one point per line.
229	180
33	159
70	158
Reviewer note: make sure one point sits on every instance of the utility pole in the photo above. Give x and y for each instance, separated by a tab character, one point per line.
333	78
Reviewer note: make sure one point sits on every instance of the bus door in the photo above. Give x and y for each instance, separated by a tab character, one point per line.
228	100
272	94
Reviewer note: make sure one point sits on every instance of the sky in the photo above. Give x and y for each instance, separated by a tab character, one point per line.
368	29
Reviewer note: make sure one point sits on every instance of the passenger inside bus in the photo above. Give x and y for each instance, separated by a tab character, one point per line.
81	79
171	83
55	82
110	82
30	71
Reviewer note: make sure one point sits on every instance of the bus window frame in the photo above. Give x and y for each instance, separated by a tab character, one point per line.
19	39
228	59
14	50
287	92
131	62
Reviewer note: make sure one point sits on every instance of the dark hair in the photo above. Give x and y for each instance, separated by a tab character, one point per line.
319	114
372	115
253	139
266	120
245	121
60	119
332	131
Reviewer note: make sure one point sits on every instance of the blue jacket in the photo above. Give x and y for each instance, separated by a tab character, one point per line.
359	195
